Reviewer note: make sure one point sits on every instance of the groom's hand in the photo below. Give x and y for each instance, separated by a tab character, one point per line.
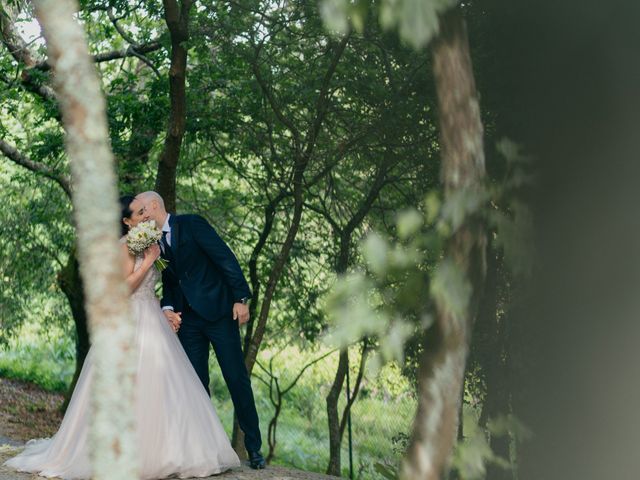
241	313
174	319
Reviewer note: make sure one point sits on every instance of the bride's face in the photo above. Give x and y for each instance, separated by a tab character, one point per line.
138	213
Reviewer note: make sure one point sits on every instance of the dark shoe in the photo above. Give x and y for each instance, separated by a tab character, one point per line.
256	461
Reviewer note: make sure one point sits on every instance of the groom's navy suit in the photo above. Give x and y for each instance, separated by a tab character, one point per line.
203	281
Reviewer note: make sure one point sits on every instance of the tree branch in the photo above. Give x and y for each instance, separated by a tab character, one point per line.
322	104
18	158
275	105
306	367
21	53
130	51
128	38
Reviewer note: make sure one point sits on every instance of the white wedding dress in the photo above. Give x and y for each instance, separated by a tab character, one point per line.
178	431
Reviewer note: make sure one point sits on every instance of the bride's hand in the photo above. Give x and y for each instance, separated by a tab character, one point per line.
152	253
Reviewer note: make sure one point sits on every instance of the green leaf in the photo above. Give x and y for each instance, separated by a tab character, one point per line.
508	425
389	14
418	22
474	453
511	151
392	344
375	251
358	15
450	289
432	206
352	312
461	204
335	15
401	258
409	222
514	234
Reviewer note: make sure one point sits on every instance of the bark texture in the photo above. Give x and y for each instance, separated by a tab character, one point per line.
77	87
441	374
177	18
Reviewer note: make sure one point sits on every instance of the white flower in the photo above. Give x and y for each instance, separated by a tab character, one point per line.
142	236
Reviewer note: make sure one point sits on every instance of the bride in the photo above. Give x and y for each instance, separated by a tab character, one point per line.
178	431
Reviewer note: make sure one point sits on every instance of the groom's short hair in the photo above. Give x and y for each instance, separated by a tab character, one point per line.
151	195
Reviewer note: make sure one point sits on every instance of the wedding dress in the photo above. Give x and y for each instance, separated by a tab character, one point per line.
178	431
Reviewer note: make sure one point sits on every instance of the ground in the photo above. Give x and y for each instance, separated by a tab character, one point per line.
27	411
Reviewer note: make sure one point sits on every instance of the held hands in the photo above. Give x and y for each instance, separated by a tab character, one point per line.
174	319
241	313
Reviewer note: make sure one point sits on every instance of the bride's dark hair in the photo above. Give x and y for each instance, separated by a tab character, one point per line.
126	212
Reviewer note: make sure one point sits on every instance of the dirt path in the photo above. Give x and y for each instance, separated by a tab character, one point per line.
26	412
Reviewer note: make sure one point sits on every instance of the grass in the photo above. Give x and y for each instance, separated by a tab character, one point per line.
39	365
384	410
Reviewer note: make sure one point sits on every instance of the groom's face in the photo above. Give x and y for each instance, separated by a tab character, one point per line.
149	208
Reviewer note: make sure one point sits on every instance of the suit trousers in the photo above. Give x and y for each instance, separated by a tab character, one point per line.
196	334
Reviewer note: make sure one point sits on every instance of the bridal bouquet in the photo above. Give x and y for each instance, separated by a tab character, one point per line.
141	237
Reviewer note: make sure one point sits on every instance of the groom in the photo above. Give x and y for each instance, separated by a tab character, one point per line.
205	298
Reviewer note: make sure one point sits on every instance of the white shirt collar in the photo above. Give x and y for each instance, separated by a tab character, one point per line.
166	227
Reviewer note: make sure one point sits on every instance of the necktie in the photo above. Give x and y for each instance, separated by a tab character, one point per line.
165	244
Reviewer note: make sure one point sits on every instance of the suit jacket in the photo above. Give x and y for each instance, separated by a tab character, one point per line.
203	272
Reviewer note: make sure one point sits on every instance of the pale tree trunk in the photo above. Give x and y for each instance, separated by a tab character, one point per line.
441	375
112	435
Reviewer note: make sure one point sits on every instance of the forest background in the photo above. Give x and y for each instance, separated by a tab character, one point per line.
310	136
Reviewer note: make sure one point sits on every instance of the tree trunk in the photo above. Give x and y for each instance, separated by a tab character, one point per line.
301	163
333	417
237	436
257	327
490	343
177	19
251	354
442	366
112	435
272	431
336	425
269	217
70	283
483	347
